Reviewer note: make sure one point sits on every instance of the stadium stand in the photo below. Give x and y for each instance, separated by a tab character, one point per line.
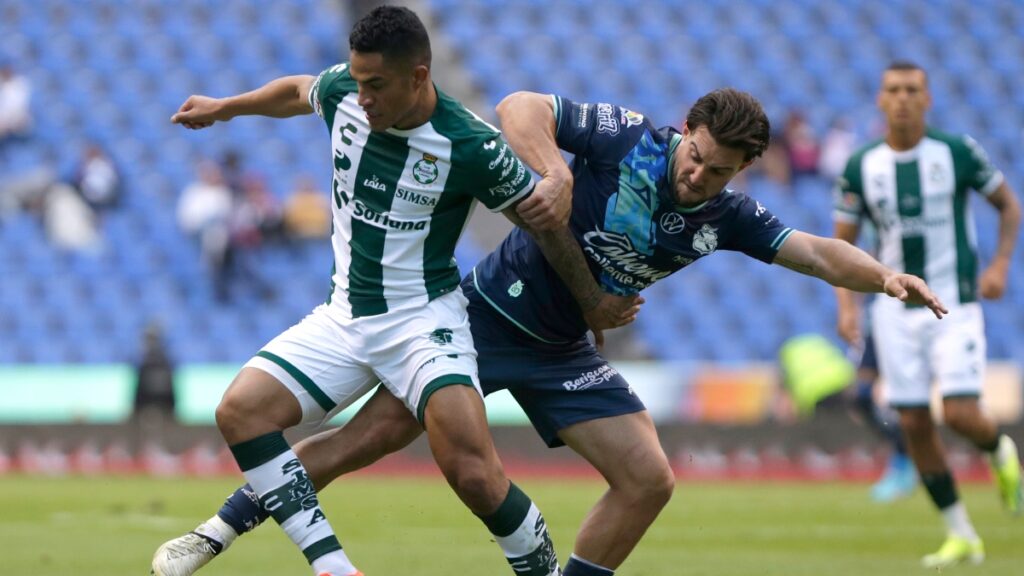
114	71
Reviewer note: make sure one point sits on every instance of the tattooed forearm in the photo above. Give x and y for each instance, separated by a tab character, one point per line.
795	266
564	254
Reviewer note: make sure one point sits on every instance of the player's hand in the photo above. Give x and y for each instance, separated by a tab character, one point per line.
198	112
992	282
550	204
612	311
911	289
848	324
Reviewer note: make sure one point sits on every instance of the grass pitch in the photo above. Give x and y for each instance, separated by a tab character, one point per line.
415	526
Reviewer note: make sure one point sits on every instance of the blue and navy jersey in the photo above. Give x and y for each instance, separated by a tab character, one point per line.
625	218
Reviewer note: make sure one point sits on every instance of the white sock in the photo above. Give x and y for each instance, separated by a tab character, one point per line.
219	530
957	521
277	476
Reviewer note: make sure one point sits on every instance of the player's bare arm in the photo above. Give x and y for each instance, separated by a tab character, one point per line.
528	123
843	265
601	310
992	282
848	302
280	98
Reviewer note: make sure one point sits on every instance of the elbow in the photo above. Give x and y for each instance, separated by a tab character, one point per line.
508	103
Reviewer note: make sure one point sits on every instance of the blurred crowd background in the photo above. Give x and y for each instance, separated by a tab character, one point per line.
121	233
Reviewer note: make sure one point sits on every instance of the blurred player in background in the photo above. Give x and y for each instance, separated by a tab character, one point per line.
913	186
900	477
409	164
646	203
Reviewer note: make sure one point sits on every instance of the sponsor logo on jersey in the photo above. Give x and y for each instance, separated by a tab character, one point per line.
584	111
606	119
619	260
371	216
500	159
672	223
590	378
630	118
937	173
705	240
374	183
515	289
441	336
415	197
682	260
425	169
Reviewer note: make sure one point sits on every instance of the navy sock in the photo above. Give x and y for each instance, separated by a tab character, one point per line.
577	566
942	489
242	510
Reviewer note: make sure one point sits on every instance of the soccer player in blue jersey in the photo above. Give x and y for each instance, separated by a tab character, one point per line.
646	202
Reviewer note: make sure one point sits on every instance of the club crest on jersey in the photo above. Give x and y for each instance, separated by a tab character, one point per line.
374	183
425	169
515	289
672	223
630	118
705	240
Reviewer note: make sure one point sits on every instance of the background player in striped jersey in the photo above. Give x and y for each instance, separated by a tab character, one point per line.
409	164
913	185
646	203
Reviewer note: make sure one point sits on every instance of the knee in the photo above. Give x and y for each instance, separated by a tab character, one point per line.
232	416
481	485
916	422
960	418
649	484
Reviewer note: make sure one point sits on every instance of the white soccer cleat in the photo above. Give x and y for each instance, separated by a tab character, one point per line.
184	555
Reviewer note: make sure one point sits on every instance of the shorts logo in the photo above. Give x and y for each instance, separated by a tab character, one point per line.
441	336
515	289
672	223
425	170
590	379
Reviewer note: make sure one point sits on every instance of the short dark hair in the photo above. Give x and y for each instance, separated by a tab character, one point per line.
393	31
906	66
734	119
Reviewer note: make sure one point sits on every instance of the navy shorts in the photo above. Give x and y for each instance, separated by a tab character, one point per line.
868	359
557	385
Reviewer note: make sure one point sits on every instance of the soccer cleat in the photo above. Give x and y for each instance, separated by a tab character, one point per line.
1006	468
899	480
184	555
356	573
954	551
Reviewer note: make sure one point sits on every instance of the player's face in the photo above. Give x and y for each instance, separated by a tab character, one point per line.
388	89
702	168
904	97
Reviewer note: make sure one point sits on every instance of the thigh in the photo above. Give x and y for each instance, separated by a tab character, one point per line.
316	361
901	350
621	447
958	352
417	352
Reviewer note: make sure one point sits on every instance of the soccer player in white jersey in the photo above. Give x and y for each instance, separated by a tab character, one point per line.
913	185
409	165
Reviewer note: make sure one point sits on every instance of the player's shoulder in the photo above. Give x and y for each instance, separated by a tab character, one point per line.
959	142
333	79
860	152
460	125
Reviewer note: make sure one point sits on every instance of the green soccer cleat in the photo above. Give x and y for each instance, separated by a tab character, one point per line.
1006	468
954	551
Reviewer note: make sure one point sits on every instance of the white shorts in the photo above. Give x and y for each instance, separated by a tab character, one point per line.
328	361
914	349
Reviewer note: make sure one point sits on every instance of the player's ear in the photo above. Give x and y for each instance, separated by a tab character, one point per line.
420	74
686	129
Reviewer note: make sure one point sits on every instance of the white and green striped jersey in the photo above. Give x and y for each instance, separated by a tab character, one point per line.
401	198
918	201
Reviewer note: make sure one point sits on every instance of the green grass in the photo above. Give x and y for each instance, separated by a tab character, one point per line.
389	526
